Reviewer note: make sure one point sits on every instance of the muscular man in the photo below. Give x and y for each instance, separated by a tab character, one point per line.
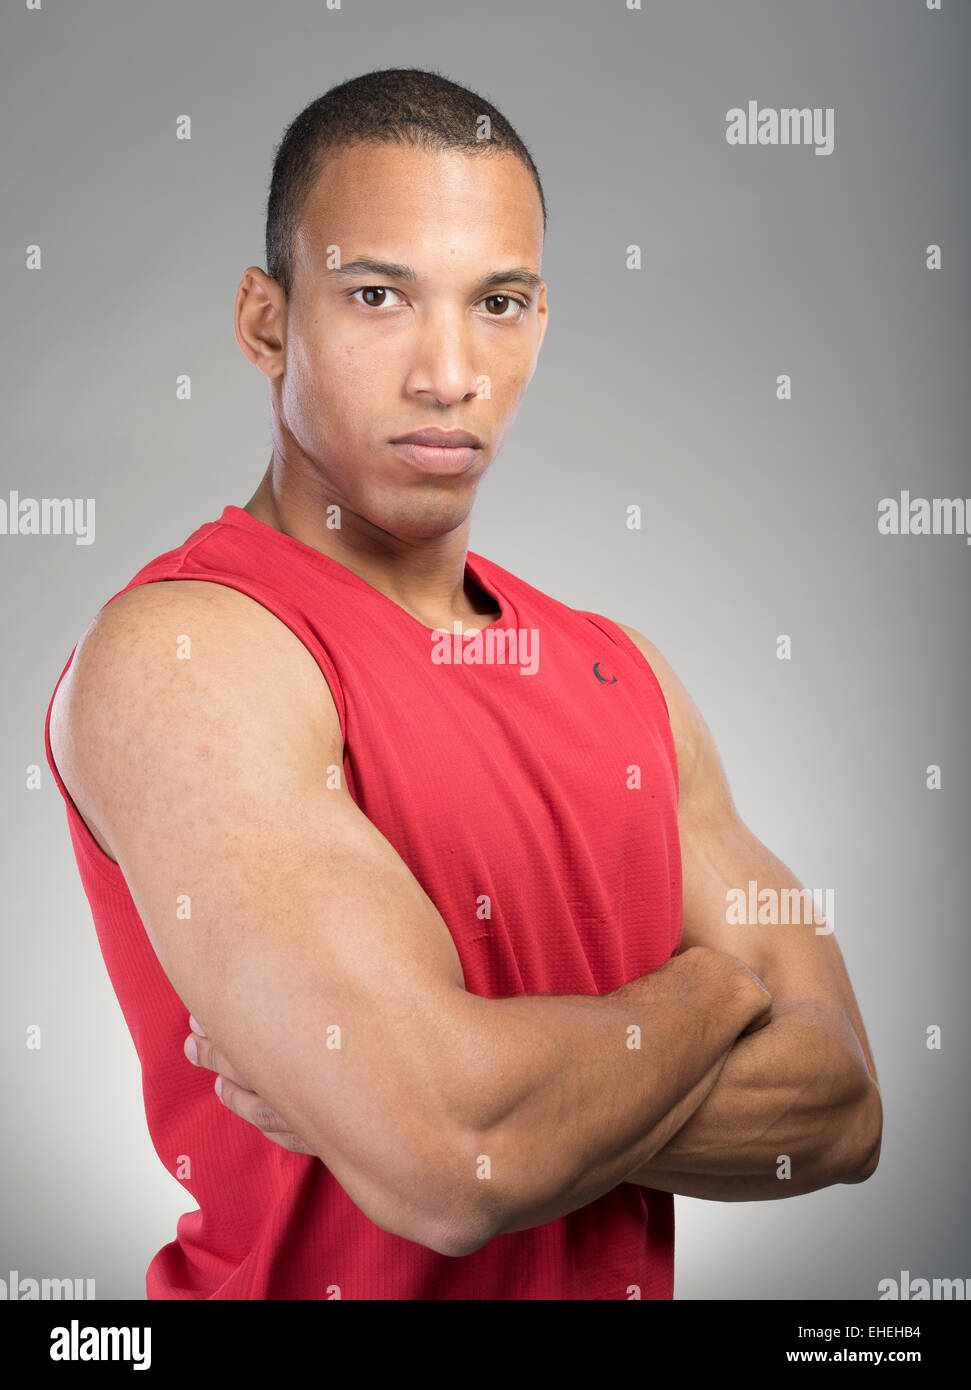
440	864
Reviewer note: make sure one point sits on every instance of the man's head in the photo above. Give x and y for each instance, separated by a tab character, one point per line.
404	255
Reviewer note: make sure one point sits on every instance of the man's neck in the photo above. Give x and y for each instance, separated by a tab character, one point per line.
427	581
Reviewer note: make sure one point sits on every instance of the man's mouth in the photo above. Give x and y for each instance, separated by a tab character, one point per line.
435	438
445	452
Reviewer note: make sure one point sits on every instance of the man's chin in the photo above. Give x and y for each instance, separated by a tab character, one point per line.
425	514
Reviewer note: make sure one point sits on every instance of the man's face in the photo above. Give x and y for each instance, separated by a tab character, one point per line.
371	354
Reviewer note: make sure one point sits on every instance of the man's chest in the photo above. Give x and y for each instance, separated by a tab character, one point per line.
540	816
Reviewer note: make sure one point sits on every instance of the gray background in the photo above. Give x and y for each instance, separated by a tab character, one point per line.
654	387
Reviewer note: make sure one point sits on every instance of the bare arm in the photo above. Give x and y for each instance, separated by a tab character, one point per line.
804	1089
212	779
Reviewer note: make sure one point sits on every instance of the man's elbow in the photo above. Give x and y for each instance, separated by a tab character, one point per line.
446	1207
462	1239
444	1234
467	1216
868	1136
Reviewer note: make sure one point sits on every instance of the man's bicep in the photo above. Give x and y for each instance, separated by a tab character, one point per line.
285	921
740	897
725	869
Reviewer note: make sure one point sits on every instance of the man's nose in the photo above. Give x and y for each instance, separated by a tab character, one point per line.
442	361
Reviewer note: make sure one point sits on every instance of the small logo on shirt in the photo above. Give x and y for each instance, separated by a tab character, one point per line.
604	680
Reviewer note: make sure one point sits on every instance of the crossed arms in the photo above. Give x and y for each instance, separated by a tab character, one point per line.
304	917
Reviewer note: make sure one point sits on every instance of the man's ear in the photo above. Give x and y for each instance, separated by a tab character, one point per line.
260	320
542	311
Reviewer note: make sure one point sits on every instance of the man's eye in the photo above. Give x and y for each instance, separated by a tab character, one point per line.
501	306
374	290
505	302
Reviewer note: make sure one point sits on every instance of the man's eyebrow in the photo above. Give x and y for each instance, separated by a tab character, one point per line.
389	270
518	275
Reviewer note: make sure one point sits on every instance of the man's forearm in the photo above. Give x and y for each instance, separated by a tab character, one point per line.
794	1108
578	1093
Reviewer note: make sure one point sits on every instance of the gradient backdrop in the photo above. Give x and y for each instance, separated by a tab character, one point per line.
655	387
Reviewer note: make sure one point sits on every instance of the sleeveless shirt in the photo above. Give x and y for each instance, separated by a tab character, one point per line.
527	776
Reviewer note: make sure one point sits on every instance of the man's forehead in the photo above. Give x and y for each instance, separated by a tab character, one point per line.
380	201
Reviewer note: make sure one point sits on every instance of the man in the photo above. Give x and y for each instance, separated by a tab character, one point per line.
440	864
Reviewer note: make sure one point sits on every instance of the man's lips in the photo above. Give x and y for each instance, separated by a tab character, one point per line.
440	439
443	452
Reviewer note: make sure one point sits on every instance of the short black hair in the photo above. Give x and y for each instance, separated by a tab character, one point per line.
407	106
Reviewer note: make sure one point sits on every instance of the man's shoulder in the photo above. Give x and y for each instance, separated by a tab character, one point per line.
688	728
152	643
145	613
661	668
176	672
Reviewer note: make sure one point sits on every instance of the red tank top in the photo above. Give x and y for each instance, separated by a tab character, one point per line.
508	781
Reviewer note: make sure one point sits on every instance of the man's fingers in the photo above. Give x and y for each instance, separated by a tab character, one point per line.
201	1052
237	1094
254	1110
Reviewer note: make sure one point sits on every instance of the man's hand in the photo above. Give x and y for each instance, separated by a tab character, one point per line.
238	1095
765	1017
